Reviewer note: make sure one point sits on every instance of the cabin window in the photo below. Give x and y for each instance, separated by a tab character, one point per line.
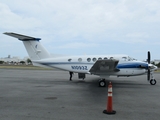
69	60
105	58
111	58
94	59
99	58
80	59
89	59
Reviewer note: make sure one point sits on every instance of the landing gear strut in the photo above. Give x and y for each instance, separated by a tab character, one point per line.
102	83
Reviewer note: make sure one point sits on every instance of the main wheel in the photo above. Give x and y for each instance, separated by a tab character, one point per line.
153	82
102	83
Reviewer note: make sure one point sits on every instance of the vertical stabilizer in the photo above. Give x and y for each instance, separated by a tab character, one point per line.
35	50
33	46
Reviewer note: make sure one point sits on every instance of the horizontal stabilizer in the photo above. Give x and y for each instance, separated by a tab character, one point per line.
21	37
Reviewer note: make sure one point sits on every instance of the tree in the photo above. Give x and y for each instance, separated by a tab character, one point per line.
158	65
22	62
29	61
153	63
1	62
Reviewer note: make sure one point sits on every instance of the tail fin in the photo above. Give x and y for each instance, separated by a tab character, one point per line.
34	48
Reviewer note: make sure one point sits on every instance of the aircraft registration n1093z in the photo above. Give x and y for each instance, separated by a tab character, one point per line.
101	65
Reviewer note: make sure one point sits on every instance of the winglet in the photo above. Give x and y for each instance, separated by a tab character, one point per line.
22	37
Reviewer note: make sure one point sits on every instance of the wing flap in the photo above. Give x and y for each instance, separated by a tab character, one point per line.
104	66
21	37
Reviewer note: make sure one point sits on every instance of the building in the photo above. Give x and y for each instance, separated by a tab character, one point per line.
156	61
13	60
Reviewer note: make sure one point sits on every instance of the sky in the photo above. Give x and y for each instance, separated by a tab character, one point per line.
83	27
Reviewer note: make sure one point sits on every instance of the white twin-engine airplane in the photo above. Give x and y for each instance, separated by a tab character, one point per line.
101	65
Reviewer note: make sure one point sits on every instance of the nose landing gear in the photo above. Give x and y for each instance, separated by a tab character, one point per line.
152	81
151	69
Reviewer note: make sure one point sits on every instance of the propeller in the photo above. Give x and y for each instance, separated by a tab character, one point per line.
149	57
148	60
148	74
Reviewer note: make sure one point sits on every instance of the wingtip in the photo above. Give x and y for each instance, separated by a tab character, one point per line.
6	33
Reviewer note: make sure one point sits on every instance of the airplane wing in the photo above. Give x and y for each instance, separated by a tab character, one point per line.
21	37
104	66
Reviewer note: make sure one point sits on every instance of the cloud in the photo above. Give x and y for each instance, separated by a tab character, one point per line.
70	23
11	20
79	45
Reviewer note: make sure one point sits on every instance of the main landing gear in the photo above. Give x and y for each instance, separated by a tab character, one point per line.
102	83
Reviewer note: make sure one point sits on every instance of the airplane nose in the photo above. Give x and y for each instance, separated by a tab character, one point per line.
152	67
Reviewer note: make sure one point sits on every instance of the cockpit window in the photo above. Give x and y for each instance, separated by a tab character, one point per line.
127	58
124	58
131	59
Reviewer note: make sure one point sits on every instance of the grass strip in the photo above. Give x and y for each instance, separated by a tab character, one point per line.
23	67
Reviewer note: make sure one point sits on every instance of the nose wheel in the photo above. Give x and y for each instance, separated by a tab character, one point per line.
153	81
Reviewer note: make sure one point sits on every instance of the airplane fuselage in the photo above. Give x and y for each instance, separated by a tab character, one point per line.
82	64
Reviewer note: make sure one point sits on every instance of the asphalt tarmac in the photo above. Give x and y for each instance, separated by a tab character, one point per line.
49	95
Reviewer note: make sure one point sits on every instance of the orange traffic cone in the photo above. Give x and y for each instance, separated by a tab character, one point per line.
109	103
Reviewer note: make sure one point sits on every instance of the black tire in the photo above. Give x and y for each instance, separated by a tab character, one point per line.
153	81
102	83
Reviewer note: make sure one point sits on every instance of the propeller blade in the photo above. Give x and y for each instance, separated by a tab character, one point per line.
149	60
149	57
148	74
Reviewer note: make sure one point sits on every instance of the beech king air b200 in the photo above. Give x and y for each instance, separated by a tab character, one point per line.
101	65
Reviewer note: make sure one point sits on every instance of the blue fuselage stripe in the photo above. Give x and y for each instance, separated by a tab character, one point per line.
132	65
119	66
